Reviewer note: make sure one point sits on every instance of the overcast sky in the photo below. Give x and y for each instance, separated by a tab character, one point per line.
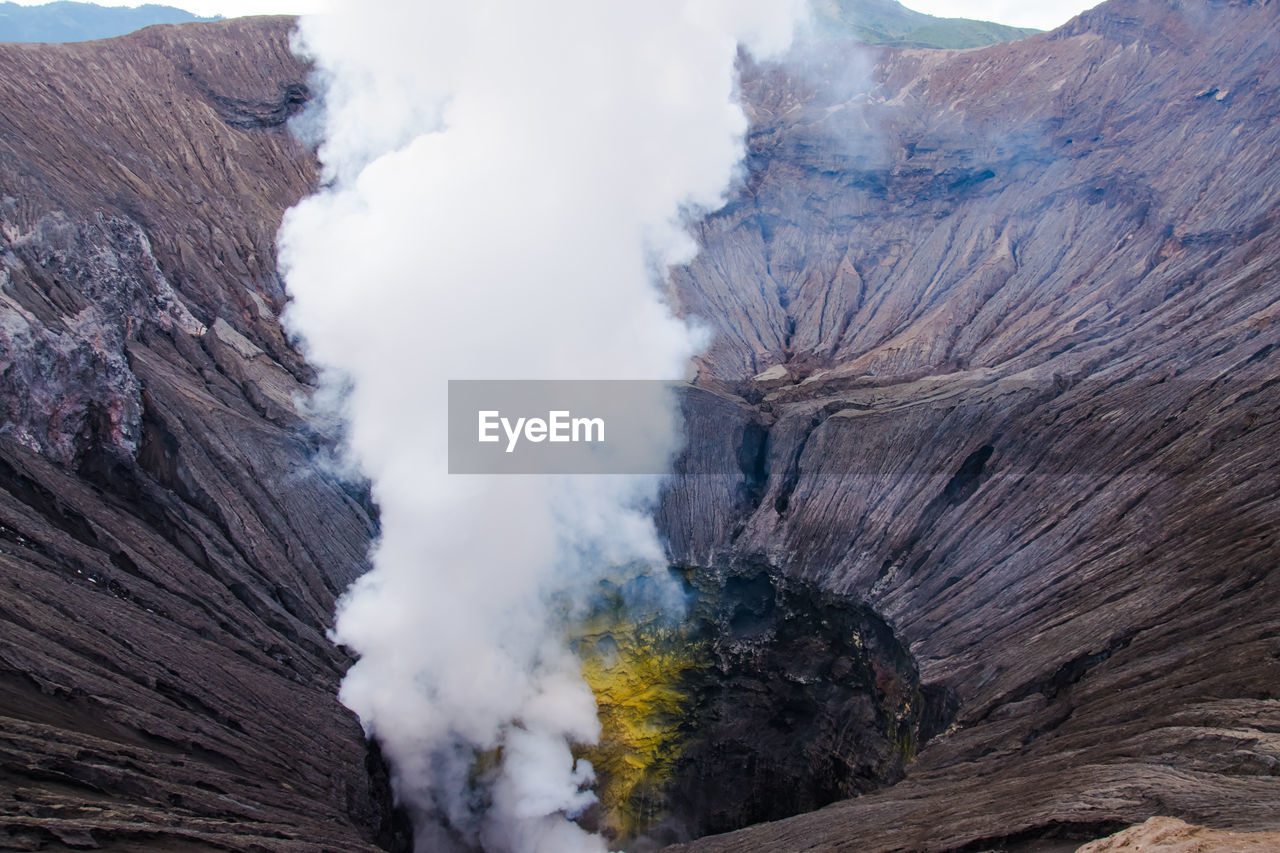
1045	15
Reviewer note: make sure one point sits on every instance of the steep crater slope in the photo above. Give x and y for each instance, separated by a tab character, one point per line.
169	551
1003	326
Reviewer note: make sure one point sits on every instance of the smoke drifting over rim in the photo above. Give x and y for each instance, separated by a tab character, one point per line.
502	180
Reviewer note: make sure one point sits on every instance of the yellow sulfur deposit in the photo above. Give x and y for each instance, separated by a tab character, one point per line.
788	697
636	672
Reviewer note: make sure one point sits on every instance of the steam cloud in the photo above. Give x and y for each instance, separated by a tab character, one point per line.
504	186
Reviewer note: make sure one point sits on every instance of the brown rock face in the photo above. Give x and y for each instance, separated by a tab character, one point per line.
1024	300
170	551
1027	295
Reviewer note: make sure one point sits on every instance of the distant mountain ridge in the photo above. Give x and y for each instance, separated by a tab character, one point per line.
890	23
66	21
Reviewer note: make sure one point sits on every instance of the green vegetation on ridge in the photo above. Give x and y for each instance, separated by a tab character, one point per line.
890	23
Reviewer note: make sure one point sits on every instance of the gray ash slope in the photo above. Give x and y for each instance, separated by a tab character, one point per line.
170	554
1016	310
1014	313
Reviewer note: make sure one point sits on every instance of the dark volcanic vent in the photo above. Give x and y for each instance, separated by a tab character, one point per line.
769	699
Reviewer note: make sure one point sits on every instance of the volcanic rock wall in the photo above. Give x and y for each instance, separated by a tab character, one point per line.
170	551
1012	318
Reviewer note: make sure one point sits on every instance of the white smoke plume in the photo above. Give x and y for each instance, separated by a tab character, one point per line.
502	181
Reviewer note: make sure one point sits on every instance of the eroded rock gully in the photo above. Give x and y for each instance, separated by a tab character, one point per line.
995	358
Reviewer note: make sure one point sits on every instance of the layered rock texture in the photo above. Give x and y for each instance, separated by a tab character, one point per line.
170	550
995	358
1011	315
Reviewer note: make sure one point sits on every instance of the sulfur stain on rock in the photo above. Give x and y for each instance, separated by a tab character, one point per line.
640	673
763	698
